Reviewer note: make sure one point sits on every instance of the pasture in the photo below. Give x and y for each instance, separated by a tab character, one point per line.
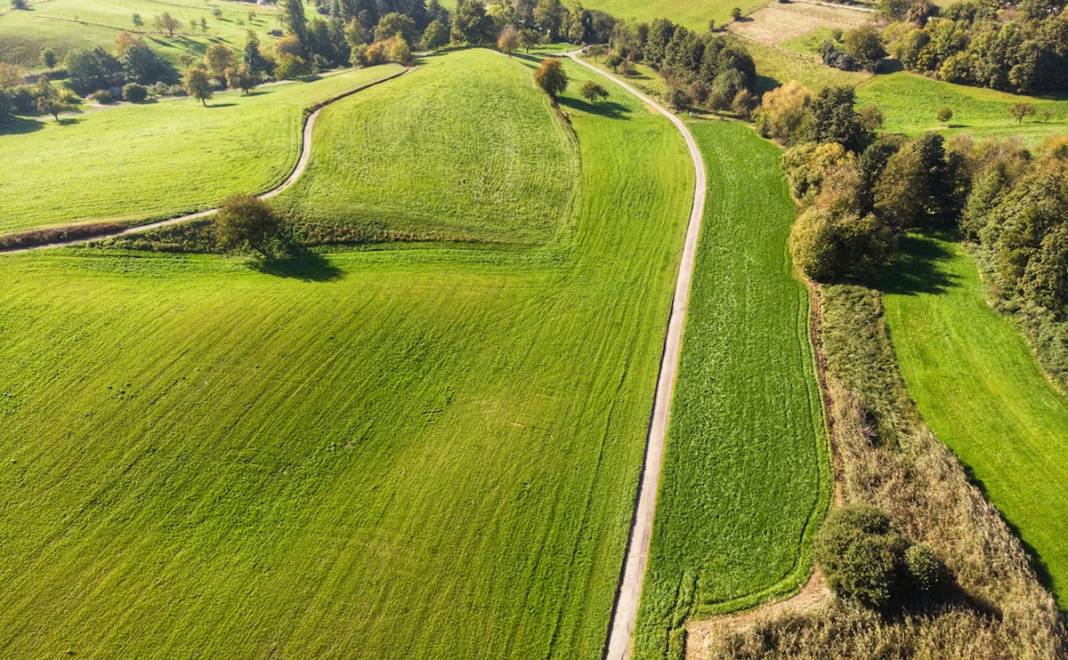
148	161
979	388
507	177
910	104
66	25
386	452
746	474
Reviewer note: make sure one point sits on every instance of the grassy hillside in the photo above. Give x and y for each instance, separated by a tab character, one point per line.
746	472
456	148
911	102
694	15
382	453
147	161
777	66
979	388
65	25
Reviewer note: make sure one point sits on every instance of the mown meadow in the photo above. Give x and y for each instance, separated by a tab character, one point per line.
428	451
978	386
67	25
501	178
746	475
142	162
910	105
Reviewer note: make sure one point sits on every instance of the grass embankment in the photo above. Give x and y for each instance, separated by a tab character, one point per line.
498	178
980	389
136	163
746	474
778	66
390	453
67	25
910	103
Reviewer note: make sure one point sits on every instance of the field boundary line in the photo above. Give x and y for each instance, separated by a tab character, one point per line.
310	114
628	594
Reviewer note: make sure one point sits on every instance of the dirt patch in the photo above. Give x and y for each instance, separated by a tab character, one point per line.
777	22
700	633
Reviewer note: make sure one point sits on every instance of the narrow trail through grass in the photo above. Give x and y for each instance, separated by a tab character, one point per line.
746	475
144	162
980	389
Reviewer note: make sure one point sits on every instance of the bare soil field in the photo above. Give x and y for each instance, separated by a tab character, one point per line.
778	22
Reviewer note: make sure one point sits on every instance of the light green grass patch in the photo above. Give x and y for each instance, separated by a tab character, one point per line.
910	104
385	453
139	162
810	43
464	147
776	66
981	391
746	475
66	25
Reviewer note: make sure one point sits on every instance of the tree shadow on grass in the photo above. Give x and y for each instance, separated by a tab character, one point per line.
221	105
300	264
605	108
918	268
20	126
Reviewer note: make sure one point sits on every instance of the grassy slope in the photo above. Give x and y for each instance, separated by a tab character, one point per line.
693	14
498	178
910	102
407	453
776	66
979	388
746	469
65	25
160	159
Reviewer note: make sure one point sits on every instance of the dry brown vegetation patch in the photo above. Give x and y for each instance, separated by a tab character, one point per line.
779	22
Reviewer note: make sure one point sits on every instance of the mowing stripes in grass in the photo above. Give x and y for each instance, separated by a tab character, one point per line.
423	452
981	391
746	474
457	149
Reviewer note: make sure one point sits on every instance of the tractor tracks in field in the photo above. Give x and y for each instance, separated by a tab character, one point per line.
628	593
113	230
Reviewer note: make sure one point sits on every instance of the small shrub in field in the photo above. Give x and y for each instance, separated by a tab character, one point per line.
945	114
103	97
861	555
134	93
247	222
927	571
593	92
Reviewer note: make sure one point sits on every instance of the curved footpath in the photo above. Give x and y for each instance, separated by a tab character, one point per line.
625	611
298	170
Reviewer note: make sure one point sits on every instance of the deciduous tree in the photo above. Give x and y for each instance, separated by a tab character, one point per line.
198	84
550	76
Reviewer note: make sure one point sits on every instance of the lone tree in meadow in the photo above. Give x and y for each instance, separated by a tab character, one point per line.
508	40
197	84
138	22
945	113
736	14
593	92
244	222
551	78
1021	111
167	23
52	101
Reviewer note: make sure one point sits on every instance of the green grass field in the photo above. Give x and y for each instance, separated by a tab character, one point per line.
746	475
148	161
911	102
981	391
66	25
694	14
498	178
422	452
776	66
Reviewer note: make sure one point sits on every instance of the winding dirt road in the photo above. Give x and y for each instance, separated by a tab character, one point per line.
625	611
298	171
